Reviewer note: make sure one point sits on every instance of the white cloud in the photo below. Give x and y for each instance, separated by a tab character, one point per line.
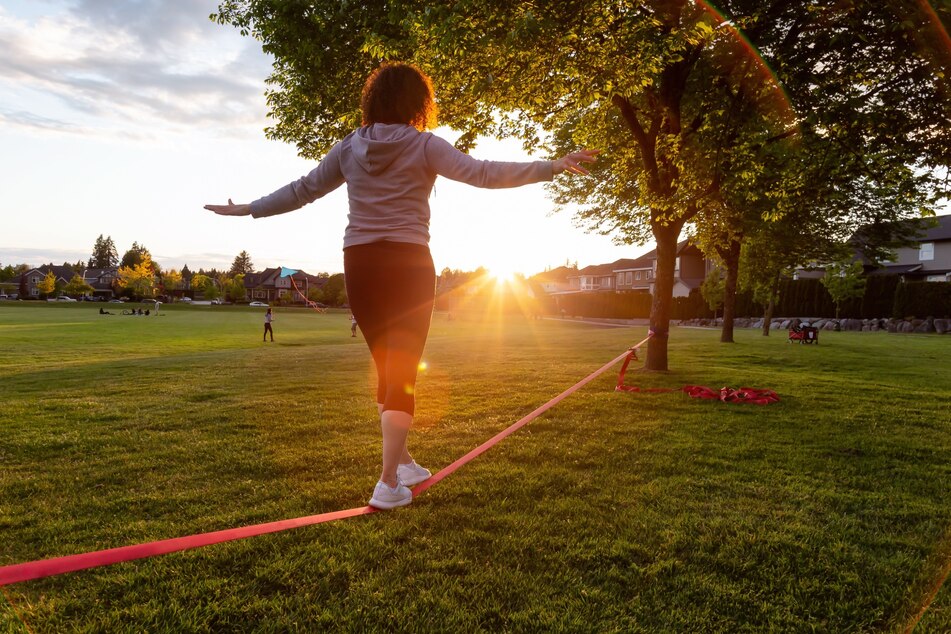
161	66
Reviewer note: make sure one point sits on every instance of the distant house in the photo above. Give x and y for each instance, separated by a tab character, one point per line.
102	280
554	280
268	285
597	277
928	261
639	274
31	279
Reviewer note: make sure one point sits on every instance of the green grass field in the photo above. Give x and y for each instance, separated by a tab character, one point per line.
829	512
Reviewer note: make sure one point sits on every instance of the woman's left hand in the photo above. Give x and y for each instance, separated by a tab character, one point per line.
572	162
230	209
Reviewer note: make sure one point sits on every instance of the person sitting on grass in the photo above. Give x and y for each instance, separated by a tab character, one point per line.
390	165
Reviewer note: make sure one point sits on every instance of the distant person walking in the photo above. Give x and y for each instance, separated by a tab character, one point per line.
268	318
353	326
390	165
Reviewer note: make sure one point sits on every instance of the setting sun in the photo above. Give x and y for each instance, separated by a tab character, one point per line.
501	275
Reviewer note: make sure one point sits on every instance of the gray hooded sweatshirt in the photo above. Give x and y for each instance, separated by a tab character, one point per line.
390	170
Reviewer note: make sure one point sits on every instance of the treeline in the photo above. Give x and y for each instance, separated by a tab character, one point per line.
885	296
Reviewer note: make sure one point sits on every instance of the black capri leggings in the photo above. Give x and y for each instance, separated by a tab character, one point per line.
391	287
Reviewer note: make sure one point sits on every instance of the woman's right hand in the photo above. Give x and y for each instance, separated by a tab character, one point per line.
230	209
572	162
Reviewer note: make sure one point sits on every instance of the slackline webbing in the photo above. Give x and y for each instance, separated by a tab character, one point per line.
71	563
724	394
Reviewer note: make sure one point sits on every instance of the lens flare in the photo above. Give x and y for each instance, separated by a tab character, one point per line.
783	104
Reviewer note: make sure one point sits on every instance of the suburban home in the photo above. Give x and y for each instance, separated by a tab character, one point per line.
268	285
32	278
597	277
928	261
637	275
554	280
102	280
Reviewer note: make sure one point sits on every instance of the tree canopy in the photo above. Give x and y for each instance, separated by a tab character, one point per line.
136	255
693	107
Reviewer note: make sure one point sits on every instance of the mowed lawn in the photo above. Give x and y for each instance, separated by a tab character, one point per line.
613	512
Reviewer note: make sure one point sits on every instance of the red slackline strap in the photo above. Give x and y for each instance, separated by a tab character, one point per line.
71	563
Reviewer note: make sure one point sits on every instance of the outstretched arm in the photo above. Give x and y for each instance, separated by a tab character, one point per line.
230	209
447	161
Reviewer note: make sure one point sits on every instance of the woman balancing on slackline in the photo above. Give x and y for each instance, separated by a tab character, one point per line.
389	166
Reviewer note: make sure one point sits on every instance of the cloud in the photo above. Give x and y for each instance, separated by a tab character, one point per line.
23	119
36	257
159	65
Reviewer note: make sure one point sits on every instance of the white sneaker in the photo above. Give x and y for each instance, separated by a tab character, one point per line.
386	497
412	473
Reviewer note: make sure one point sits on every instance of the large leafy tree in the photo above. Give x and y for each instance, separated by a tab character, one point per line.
171	280
78	286
138	279
47	286
657	85
136	255
104	253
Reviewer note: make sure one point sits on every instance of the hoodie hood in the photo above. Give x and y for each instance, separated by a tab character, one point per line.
376	146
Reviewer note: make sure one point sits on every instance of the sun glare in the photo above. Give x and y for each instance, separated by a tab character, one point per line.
501	275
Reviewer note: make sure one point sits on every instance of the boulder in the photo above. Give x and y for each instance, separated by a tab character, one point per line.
906	326
819	323
926	326
941	325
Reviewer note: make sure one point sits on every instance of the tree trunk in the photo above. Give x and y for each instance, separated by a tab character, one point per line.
771	306
666	238
768	317
731	257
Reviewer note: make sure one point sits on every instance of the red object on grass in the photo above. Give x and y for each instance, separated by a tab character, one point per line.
725	394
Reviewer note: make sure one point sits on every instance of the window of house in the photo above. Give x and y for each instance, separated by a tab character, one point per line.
637	275
281	292
648	275
926	251
630	277
676	265
620	278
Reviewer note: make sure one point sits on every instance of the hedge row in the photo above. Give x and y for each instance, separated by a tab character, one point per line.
884	297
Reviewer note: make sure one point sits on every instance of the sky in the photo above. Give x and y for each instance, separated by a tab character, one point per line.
123	118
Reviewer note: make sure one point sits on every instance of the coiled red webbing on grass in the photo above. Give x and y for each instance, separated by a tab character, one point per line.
725	394
71	563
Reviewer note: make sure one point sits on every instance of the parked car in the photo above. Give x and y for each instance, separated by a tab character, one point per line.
116	301
258	305
3	297
187	300
64	298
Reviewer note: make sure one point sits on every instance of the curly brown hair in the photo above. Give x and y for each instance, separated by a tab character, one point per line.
398	92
